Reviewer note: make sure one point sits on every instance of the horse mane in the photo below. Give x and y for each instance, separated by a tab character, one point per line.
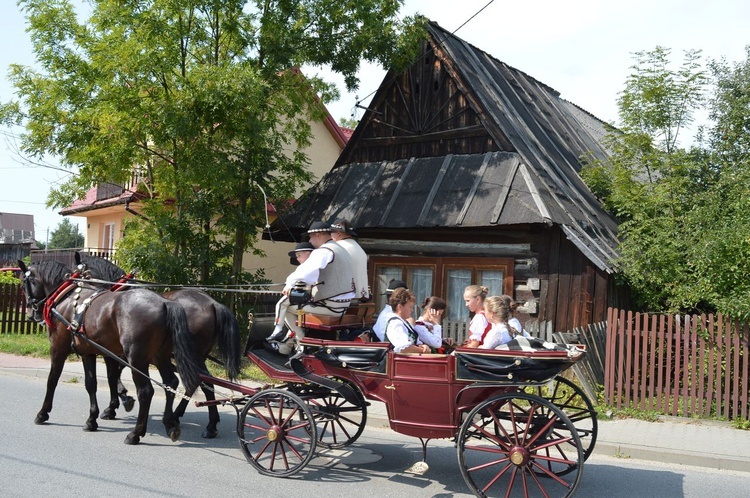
102	268
52	271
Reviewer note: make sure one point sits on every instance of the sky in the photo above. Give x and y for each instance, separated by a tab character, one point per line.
581	48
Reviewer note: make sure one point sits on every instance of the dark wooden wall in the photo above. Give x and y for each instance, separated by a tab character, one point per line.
572	292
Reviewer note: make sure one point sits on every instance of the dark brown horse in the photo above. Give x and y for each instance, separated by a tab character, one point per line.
211	323
139	325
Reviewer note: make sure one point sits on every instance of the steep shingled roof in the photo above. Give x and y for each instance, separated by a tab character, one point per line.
537	181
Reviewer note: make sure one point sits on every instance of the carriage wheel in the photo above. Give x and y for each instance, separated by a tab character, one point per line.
339	422
571	399
273	437
505	446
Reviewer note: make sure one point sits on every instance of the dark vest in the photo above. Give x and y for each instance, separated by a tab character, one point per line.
337	278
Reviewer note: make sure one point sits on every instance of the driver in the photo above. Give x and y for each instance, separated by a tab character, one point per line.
328	270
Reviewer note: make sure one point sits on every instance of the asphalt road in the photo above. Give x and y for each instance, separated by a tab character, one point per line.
59	459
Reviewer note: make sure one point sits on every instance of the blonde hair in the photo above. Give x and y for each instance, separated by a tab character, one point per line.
498	307
477	291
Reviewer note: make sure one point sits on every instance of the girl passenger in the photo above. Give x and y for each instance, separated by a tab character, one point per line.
497	312
474	296
398	331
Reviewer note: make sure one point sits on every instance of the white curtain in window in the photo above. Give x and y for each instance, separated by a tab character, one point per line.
419	281
458	280
493	280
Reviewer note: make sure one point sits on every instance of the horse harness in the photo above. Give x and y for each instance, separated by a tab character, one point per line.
75	325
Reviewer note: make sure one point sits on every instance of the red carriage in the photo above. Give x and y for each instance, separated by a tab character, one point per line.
519	427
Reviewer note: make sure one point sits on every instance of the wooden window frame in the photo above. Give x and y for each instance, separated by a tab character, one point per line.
440	266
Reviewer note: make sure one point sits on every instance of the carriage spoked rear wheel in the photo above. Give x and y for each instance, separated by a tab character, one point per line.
571	399
277	433
339	422
507	443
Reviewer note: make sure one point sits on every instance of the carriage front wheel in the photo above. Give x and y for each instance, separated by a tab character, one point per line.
339	422
507	443
277	433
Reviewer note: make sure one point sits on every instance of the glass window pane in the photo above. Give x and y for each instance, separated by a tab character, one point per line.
493	280
457	281
419	281
385	275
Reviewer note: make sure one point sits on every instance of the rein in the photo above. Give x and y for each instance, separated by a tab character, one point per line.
126	282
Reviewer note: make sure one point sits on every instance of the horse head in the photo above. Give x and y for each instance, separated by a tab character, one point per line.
39	281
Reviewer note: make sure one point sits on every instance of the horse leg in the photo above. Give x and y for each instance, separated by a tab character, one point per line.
145	392
213	413
89	372
58	356
113	380
170	379
127	401
210	431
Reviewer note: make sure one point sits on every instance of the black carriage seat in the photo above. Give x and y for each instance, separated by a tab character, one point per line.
516	363
345	354
357	315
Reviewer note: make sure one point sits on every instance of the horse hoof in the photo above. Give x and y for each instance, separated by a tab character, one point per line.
210	434
174	433
132	439
90	427
128	403
41	418
108	415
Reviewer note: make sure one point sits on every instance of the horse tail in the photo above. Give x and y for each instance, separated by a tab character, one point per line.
184	347
228	338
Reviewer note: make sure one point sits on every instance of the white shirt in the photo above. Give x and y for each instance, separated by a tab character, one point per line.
379	327
359	263
309	271
498	335
429	333
516	324
477	326
397	333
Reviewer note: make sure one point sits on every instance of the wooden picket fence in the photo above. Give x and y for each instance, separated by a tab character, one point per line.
686	365
13	311
589	371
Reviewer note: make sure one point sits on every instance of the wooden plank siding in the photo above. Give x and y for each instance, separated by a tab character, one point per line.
574	292
677	365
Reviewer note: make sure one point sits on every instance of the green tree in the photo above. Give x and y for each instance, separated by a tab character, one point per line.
65	236
721	259
685	213
204	98
348	122
650	182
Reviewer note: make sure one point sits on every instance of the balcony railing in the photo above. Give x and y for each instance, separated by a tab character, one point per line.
67	256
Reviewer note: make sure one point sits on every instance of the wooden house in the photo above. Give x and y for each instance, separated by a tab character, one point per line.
465	170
